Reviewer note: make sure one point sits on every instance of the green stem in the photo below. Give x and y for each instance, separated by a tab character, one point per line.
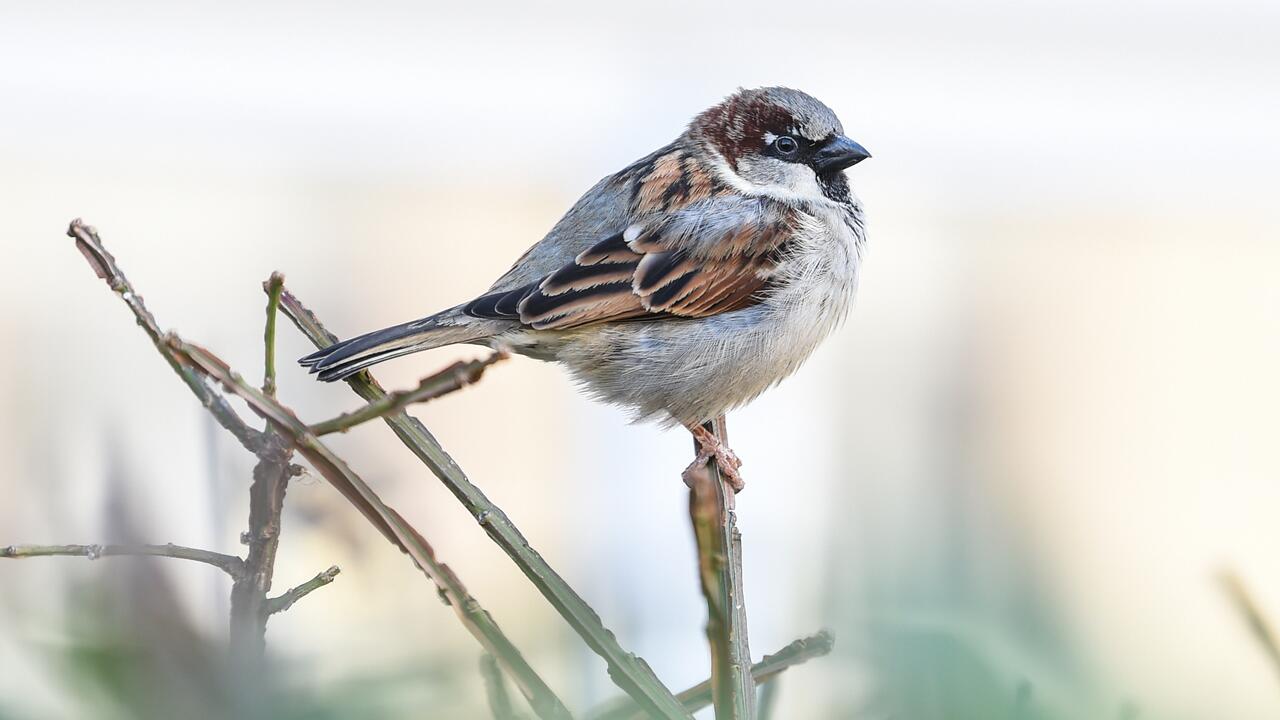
273	286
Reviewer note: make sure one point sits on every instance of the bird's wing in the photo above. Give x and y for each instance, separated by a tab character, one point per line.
706	257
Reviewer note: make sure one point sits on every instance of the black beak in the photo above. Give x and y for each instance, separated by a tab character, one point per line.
837	154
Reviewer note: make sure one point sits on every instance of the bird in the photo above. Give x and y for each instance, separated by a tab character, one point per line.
684	285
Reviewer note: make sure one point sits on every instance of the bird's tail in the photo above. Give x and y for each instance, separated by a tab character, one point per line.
349	357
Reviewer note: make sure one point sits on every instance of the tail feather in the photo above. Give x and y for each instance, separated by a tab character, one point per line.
349	357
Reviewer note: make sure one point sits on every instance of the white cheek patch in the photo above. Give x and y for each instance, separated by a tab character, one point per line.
770	178
801	180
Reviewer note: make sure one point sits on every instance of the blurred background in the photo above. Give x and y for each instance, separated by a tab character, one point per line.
1009	483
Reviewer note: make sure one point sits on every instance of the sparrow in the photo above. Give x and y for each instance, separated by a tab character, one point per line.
684	285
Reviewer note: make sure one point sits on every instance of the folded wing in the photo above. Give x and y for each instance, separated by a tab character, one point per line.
709	257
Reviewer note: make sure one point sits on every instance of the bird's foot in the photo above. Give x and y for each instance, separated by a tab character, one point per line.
710	447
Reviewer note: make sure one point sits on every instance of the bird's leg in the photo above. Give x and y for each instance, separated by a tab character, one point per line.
709	446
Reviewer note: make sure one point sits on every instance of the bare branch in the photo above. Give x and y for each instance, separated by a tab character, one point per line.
105	266
699	696
388	521
451	379
293	595
249	605
229	564
628	671
250	608
271	475
711	501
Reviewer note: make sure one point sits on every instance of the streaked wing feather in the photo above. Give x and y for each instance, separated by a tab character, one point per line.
611	301
581	277
724	288
696	251
613	249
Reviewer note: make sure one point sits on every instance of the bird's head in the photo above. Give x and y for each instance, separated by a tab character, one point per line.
778	141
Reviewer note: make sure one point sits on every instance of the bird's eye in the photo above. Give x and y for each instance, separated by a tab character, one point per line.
786	145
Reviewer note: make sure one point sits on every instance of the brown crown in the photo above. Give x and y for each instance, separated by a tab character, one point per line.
735	127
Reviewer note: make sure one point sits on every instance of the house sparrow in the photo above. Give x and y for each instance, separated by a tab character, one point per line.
684	285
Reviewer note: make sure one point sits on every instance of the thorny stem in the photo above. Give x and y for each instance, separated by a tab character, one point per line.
699	696
711	509
229	564
451	379
285	601
628	671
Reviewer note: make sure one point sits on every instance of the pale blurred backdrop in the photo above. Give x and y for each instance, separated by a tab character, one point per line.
1009	481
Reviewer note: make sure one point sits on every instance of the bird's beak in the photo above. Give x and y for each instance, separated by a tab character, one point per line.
837	154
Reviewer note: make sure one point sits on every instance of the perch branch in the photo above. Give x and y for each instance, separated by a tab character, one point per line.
711	509
475	618
451	379
229	564
105	266
628	671
699	696
283	602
